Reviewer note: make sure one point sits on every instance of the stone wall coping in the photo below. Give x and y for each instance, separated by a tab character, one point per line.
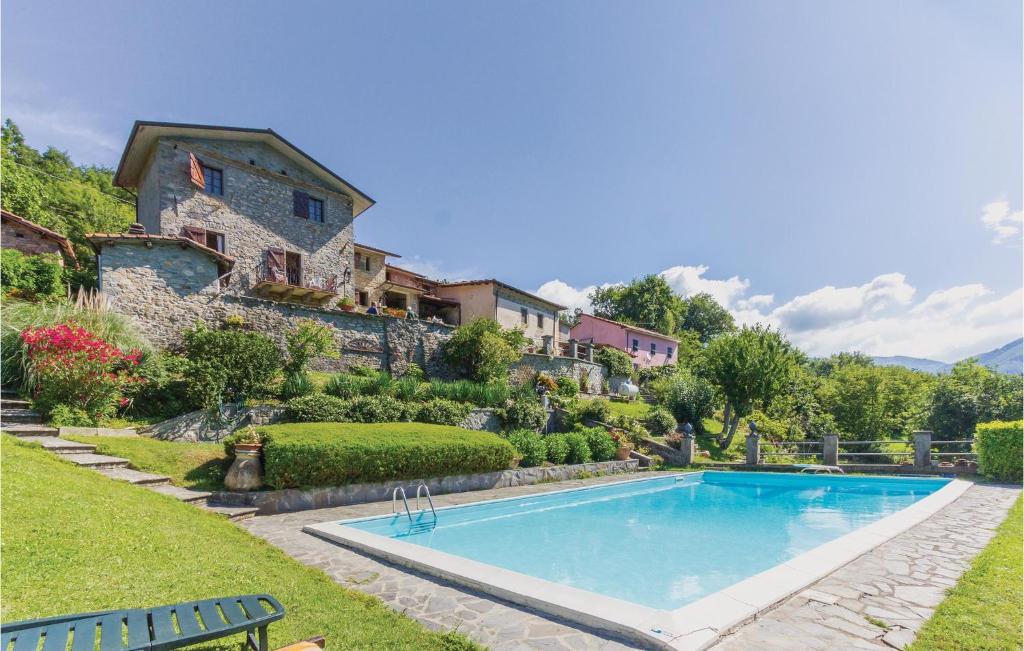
302	499
571	359
334	311
97	431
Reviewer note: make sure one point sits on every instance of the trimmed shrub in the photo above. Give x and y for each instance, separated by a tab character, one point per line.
336	454
602	446
376	409
246	361
317	408
579	449
523	414
690	399
1000	448
660	422
442	412
484	350
532	451
68	416
558	448
568	387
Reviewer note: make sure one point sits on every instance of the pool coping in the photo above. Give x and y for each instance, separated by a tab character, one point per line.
694	626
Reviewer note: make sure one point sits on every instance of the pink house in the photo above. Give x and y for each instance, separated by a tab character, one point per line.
646	347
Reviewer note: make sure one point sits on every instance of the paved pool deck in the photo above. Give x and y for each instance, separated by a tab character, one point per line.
898	583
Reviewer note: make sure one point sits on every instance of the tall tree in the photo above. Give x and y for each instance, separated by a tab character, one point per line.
648	302
751	368
706	316
970	394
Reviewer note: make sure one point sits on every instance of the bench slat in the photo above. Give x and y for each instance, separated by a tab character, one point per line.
85	635
56	637
110	632
253	607
163	625
138	629
233	613
28	640
211	618
187	620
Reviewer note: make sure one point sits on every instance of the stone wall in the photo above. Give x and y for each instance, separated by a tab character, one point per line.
26	240
594	373
285	501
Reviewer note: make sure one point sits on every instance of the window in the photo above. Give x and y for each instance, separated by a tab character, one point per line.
362	298
669	354
213	179
293	268
524	315
215	241
362	262
636	345
316	210
540	320
654	347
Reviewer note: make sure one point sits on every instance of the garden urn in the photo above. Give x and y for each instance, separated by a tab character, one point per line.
246	473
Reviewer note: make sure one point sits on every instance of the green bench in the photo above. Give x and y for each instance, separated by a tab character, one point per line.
152	629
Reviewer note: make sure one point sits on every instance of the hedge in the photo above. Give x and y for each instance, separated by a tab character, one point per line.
335	454
999	448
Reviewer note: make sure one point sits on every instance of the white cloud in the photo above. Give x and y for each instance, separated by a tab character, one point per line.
997	217
879	317
690	280
567	295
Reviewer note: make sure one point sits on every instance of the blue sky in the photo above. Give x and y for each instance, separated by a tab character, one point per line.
848	171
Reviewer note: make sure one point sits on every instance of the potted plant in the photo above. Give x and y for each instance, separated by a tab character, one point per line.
625	445
347	304
246	471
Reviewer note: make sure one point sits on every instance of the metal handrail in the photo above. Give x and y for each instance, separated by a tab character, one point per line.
429	501
394	498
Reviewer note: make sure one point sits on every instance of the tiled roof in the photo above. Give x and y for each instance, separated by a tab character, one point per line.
63	242
492	281
98	239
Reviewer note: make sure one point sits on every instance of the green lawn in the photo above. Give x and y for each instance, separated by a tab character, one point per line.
983	610
75	541
192	465
635	409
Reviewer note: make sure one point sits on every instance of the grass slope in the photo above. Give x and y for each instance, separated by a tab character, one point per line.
192	465
75	541
983	610
635	409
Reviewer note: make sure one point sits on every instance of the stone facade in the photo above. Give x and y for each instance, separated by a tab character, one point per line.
255	211
592	373
27	241
295	499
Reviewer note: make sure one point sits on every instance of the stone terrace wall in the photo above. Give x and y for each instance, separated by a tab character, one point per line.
165	289
556	367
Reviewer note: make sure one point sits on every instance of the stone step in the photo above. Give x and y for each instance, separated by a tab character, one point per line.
134	476
14	403
59	445
183	494
233	513
16	415
90	460
28	429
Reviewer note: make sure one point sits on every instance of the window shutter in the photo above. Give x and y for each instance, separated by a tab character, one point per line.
359	261
196	171
195	233
300	202
276	265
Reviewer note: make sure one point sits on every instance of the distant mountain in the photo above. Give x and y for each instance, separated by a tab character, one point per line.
1007	359
914	363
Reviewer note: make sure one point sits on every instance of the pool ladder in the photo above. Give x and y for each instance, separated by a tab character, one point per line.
399	490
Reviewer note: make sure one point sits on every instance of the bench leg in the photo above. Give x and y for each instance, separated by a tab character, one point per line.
251	641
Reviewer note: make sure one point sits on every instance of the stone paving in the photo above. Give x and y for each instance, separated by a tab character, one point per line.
898	584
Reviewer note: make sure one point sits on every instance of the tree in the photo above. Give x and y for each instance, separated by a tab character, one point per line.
825	366
871	402
618	362
307	340
648	302
706	316
484	350
691	399
750	369
970	394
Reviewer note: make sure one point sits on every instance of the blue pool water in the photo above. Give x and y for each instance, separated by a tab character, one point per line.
661	542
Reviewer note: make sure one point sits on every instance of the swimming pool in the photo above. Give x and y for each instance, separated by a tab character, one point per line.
640	549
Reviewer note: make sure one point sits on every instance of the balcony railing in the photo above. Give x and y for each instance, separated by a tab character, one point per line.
290	285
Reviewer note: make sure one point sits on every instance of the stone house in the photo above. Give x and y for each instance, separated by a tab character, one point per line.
646	347
32	239
509	306
389	286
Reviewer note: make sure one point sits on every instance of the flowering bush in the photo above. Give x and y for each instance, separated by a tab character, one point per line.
76	368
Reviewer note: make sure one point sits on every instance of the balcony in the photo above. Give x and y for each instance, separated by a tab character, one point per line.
293	286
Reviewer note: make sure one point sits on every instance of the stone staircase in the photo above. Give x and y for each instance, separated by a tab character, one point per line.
17	418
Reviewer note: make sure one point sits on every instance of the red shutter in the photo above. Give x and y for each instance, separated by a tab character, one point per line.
275	265
196	171
195	233
300	202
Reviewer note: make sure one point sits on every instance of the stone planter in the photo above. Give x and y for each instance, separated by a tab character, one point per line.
622	454
246	473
